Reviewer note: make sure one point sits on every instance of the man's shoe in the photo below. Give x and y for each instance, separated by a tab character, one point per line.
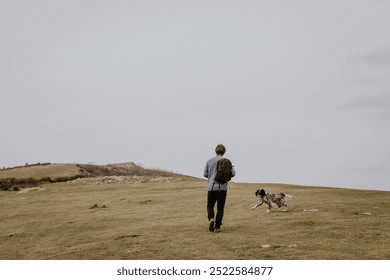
217	229
211	226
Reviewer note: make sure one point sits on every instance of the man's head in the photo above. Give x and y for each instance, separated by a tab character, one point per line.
220	150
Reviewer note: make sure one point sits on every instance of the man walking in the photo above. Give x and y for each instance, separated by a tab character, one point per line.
217	187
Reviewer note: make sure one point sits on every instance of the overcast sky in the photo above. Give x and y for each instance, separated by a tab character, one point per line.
298	91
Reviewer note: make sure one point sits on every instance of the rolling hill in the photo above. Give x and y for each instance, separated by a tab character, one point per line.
35	174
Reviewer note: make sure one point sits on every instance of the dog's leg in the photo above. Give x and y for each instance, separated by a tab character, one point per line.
283	204
259	203
269	208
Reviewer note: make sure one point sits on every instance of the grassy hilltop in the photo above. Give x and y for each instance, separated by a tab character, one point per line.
152	216
15	178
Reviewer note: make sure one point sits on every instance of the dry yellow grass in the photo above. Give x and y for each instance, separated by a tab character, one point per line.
39	171
167	220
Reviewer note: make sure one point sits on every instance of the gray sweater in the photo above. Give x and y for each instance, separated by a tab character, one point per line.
209	172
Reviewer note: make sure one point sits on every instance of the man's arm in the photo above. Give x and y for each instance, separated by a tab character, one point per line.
233	171
206	170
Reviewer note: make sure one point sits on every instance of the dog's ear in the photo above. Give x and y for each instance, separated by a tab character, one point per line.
262	192
257	192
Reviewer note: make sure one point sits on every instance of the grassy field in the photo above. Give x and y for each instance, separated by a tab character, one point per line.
166	219
52	170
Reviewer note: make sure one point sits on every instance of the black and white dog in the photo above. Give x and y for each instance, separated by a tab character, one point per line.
271	198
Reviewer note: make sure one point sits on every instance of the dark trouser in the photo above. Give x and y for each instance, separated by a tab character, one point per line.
220	198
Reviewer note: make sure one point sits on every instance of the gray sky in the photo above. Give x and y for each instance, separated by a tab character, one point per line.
298	91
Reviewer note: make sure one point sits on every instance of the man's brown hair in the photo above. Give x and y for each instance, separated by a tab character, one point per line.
220	150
